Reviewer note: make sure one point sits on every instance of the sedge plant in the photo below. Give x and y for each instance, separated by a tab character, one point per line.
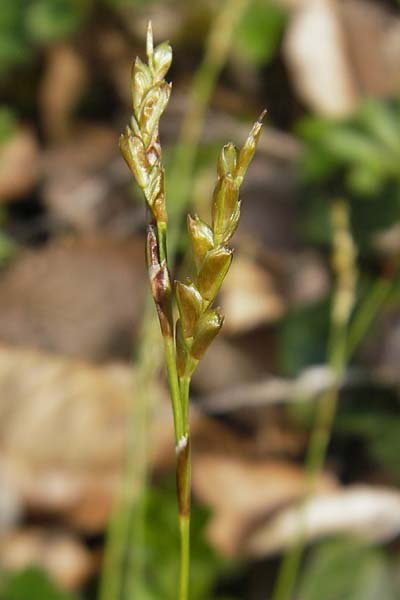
187	337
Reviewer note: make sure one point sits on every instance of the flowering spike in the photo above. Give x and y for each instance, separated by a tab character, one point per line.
139	144
199	322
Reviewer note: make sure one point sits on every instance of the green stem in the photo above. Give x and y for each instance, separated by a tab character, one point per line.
344	342
367	312
179	392
162	241
183	488
184	383
169	344
128	513
314	461
319	441
110	581
184	526
173	382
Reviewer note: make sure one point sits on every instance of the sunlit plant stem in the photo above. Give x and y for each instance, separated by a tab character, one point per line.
187	339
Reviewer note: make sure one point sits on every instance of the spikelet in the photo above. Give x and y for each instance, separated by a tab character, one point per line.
344	264
140	143
199	322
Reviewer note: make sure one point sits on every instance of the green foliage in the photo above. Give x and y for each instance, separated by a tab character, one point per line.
8	248
14	46
25	24
8	123
32	584
260	30
315	217
122	3
380	431
347	570
368	217
49	20
161	554
366	147
357	159
303	338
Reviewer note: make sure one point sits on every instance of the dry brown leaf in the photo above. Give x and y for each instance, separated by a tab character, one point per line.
110	46
88	147
84	177
241	491
19	165
63	84
388	348
376	65
387	241
77	418
78	297
315	50
265	435
372	513
77	415
329	52
306	278
61	554
11	502
238	366
249	297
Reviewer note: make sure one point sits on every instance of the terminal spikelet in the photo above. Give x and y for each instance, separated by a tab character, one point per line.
199	322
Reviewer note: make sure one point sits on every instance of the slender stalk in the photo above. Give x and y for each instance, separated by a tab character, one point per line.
169	346
173	383
184	526
181	426
315	457
184	383
367	312
343	301
132	580
183	473
343	345
131	491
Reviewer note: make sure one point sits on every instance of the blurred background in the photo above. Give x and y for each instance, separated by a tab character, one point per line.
303	384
